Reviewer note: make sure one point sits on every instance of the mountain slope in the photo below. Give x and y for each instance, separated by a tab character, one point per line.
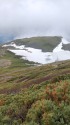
44	43
50	49
33	94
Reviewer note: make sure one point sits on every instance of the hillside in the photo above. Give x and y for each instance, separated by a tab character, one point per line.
42	50
32	94
44	43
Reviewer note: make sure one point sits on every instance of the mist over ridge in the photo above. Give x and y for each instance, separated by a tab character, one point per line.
27	18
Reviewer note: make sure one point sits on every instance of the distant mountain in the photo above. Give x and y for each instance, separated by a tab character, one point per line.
41	50
43	43
6	38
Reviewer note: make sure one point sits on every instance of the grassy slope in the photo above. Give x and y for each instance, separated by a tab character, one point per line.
31	95
44	43
66	47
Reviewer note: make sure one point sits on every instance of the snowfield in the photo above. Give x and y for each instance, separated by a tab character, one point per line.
36	55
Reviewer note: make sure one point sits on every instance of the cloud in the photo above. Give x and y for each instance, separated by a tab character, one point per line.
25	18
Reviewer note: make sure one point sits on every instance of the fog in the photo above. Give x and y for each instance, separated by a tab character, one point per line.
27	18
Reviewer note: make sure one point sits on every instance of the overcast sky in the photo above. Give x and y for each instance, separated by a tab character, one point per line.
25	18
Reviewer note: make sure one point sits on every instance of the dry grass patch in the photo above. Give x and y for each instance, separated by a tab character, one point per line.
5	63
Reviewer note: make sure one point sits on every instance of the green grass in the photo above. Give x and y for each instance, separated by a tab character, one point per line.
16	61
21	76
66	47
44	43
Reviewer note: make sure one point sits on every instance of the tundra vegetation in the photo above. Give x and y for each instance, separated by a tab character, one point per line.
33	95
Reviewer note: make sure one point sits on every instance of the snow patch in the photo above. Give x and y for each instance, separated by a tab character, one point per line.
59	47
64	41
36	55
14	45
